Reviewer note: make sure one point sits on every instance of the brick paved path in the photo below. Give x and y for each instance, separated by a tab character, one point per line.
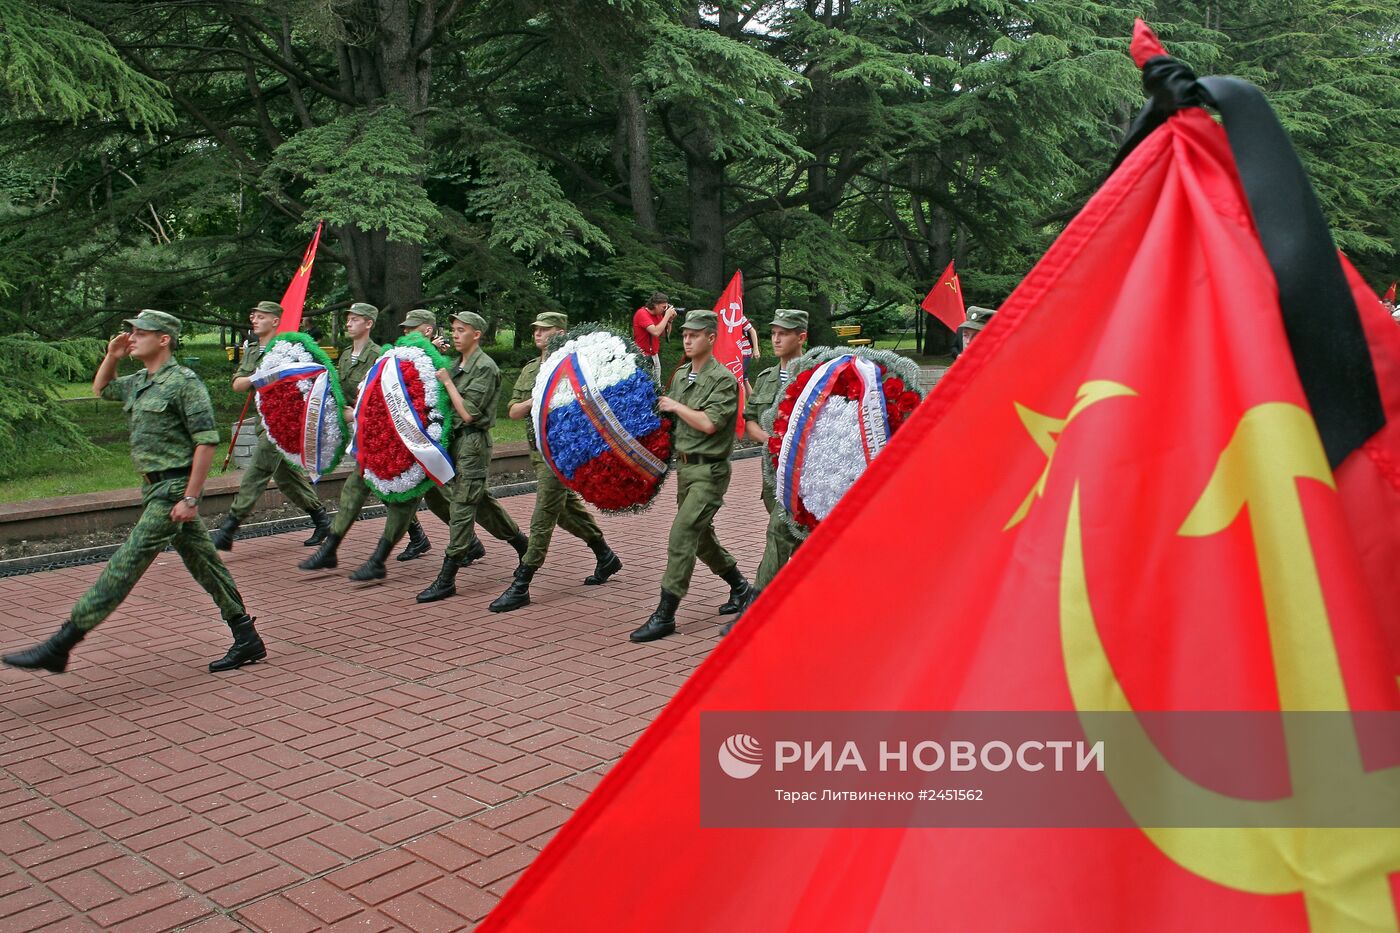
391	766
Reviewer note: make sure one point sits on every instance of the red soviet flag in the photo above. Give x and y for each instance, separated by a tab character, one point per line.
733	337
945	301
1155	507
1390	293
294	300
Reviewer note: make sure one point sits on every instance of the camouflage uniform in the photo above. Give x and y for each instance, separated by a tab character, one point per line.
267	463
555	503
352	371
465	501
169	414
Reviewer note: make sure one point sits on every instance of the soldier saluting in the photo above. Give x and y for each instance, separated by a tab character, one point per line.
172	443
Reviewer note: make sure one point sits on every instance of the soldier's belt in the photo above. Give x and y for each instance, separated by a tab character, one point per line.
698	458
160	476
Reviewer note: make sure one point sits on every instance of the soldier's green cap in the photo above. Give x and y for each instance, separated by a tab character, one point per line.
471	319
551	319
700	319
363	309
789	319
418	317
977	318
157	321
269	307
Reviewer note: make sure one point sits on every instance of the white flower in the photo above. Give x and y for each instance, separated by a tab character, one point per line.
835	456
435	431
606	357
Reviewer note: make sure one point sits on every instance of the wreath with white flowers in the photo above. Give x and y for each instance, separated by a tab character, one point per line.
301	404
837	412
403	422
596	422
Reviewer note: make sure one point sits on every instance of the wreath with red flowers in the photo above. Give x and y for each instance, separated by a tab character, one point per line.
282	404
390	469
899	384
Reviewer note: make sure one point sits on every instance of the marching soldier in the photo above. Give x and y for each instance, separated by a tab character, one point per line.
404	515
352	367
474	386
555	503
267	463
703	402
788	335
173	438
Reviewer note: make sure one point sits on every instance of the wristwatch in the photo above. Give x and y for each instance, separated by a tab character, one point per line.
191	501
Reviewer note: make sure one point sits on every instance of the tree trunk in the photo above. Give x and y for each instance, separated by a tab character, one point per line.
391	70
705	185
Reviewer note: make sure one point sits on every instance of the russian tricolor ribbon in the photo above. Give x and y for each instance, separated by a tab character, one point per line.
315	431
429	454
874	419
604	420
266	377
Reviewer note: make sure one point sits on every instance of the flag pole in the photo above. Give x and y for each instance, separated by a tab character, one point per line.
232	441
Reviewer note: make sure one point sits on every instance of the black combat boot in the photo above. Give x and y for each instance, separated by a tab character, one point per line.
521	545
418	543
445	585
662	622
223	535
324	558
320	526
518	593
608	563
738	591
748	601
51	655
373	569
247	647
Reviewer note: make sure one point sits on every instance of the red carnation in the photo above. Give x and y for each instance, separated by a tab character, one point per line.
892	388
283	411
908	401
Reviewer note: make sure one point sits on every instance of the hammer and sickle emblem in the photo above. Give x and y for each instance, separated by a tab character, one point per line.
732	317
1342	873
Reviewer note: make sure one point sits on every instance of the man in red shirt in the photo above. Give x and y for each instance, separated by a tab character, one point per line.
649	324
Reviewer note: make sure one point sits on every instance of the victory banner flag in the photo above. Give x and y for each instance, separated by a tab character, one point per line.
294	299
733	337
945	301
1177	455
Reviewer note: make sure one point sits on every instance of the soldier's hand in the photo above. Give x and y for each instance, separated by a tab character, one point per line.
183	513
119	347
349	414
444	376
668	404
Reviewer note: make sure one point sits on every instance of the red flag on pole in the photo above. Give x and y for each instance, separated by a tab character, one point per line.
1179	509
1390	293
945	301
295	297
733	337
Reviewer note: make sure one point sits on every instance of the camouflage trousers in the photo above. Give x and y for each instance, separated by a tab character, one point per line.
464	504
555	504
153	532
352	500
700	489
267	465
778	548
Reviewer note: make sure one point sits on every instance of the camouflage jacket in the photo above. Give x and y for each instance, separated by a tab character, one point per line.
168	413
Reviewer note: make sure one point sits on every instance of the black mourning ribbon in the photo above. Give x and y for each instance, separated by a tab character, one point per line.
1320	316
